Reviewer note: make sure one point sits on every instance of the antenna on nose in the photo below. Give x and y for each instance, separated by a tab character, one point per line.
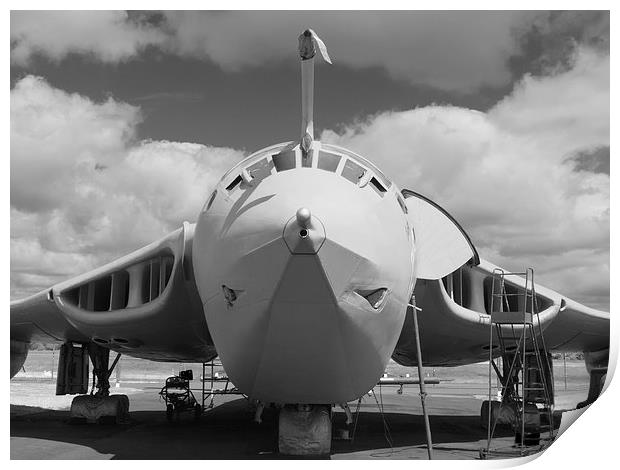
309	42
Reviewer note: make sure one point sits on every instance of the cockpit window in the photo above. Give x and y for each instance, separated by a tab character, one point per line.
328	161
378	187
379	175
234	183
211	199
284	161
326	157
403	206
261	169
306	160
382	179
352	171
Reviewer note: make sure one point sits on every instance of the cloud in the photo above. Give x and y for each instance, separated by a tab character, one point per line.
596	161
459	51
521	177
109	36
448	50
549	39
509	174
55	136
84	192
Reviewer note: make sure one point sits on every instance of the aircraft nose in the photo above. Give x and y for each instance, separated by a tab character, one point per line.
304	233
302	359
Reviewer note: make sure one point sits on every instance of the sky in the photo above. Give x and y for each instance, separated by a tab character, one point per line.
122	124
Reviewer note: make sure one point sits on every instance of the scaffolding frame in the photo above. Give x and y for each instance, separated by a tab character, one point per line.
505	319
211	392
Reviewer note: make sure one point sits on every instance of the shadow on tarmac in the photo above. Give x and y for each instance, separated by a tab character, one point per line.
225	432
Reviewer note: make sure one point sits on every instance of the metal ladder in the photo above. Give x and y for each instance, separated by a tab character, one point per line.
525	362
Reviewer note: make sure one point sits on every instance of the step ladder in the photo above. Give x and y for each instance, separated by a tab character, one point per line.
527	376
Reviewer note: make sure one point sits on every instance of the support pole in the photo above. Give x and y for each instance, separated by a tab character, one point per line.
203	385
565	386
118	356
427	425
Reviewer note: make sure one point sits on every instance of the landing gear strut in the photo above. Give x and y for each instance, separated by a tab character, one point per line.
596	365
100	406
100	357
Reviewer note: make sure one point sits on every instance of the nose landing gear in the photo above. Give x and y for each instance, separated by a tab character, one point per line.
305	430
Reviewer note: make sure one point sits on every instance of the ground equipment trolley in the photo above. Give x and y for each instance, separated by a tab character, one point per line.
179	397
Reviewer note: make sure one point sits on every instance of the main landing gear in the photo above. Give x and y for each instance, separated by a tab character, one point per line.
98	406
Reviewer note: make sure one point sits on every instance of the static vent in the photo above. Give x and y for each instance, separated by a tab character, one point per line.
374	297
230	295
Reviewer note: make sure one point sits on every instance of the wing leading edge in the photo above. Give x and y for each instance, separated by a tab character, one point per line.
144	304
453	291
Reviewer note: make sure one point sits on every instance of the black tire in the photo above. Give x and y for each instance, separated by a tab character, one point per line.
531	439
77	421
197	411
169	412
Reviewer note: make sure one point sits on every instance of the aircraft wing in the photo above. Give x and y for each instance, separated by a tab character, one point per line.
144	304
454	318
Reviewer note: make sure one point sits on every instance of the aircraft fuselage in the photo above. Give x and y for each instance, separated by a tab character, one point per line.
305	266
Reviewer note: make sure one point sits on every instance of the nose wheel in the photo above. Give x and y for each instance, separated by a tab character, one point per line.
305	430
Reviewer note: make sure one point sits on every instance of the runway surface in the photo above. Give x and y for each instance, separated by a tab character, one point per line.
228	432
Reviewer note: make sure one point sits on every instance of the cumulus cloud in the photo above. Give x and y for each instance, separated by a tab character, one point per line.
110	36
526	178
549	39
84	192
56	135
510	176
450	50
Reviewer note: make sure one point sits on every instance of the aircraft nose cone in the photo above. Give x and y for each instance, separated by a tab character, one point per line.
304	233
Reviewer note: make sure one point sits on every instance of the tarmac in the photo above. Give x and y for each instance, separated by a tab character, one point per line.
389	426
